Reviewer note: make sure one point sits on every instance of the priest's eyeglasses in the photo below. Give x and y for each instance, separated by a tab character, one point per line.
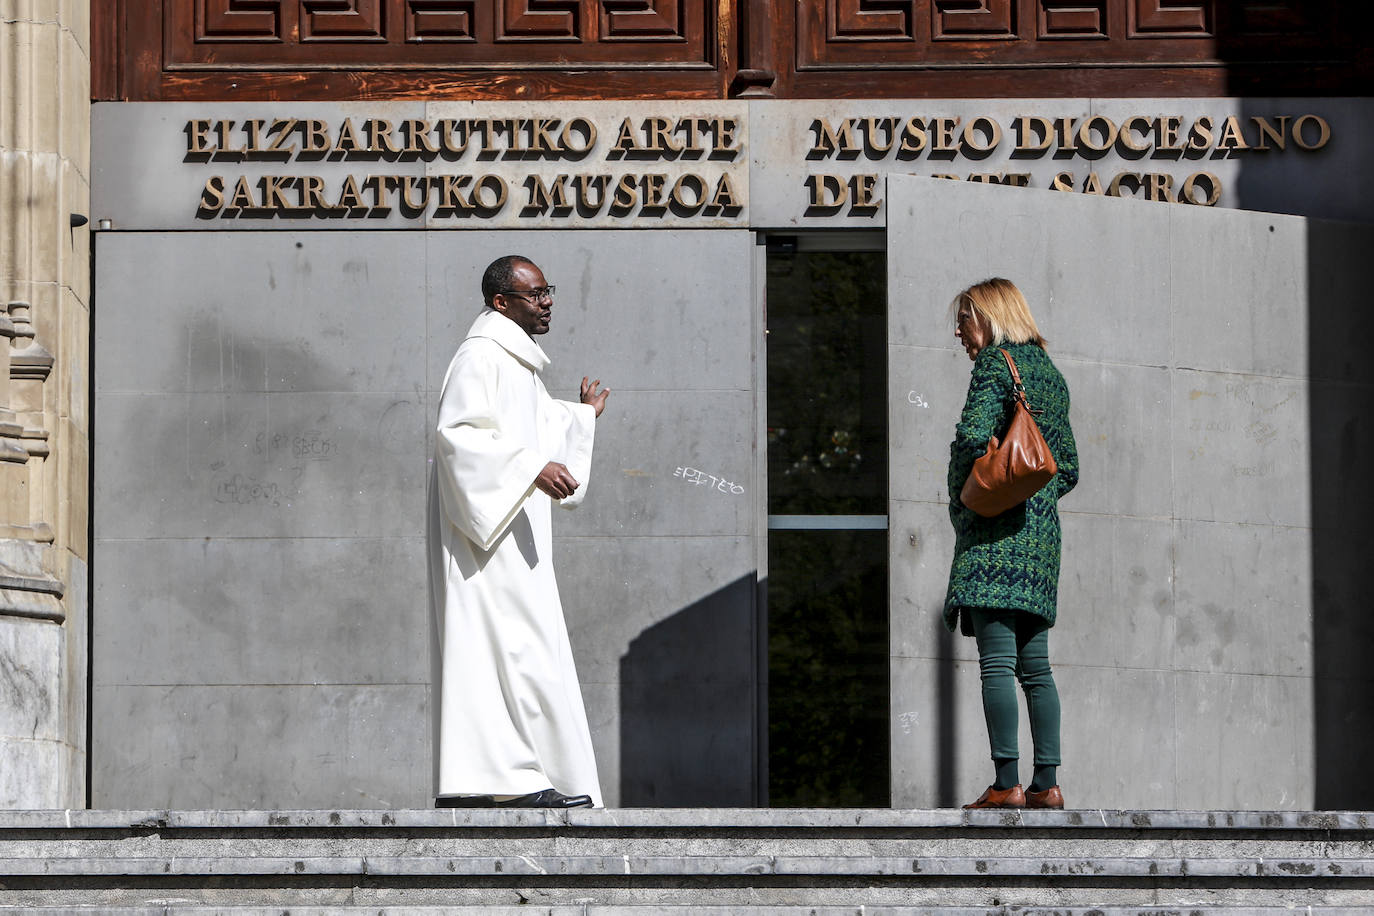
532	295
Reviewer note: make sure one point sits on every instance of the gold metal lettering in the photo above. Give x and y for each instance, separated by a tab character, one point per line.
657	136
380	140
312	193
831	141
497	186
450	192
1269	133
315	136
698	192
585	185
1160	187
653	191
542	197
978	126
1087	132
348	141
1028	127
283	128
417	134
914	136
1062	182
871	128
1169	128
1138	124
197	137
274	192
242	198
408	185
945	140
724	196
1231	136
828	190
625	141
212	195
626	193
863	186
1190	185
350	198
578	126
1323	132
1200	137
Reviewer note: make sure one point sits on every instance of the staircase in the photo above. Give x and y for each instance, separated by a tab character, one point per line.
626	862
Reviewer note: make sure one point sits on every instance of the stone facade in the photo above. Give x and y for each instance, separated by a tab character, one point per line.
44	386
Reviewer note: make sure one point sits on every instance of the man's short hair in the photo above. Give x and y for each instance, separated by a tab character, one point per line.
500	274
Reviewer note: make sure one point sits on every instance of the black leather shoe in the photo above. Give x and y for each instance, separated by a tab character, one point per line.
549	798
464	801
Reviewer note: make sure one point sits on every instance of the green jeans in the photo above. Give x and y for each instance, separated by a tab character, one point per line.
1015	645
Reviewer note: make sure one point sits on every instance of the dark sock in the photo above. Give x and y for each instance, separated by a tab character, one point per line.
1045	778
1006	774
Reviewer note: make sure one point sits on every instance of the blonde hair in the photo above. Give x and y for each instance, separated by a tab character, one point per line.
1001	307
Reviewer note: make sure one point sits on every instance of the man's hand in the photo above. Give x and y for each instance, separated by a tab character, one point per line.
555	479
593	397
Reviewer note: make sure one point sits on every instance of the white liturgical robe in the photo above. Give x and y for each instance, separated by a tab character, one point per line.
509	718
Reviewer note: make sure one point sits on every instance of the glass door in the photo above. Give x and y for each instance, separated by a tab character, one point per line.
828	686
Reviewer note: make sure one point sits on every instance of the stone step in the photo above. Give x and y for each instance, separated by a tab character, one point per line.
596	910
732	860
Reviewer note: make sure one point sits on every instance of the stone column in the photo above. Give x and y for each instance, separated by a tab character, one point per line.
45	70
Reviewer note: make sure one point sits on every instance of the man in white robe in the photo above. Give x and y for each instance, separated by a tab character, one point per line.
510	726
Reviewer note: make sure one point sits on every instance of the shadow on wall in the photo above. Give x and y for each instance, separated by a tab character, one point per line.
1340	324
688	708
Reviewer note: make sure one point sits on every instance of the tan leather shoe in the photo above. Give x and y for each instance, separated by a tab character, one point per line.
1000	798
1050	798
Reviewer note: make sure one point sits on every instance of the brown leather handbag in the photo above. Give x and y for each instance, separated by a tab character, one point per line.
1015	469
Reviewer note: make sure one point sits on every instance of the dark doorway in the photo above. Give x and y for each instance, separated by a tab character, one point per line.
828	683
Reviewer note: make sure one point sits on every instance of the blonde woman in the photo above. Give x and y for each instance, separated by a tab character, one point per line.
1004	580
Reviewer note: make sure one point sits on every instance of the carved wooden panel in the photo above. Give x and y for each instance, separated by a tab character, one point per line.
1174	18
538	20
412	34
238	20
892	35
342	20
972	19
643	20
490	49
440	20
1072	19
870	20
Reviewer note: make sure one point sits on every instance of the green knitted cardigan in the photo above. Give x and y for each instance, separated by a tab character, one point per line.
1010	561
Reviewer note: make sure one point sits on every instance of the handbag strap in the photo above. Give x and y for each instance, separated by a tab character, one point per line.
1018	390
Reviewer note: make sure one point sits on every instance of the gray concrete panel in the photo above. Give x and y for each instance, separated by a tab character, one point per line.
259	465
234	746
278	610
1122	423
1231	616
288	311
926	391
1119	741
664	634
1241	449
1116	593
940	752
921	542
655	456
635	309
1094	270
1239	292
1238	747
